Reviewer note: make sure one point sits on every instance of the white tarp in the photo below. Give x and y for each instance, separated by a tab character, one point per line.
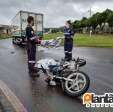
45	63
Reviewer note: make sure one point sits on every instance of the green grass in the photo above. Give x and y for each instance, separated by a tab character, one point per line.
84	40
4	36
94	41
52	35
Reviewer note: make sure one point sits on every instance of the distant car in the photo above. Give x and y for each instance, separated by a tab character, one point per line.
19	23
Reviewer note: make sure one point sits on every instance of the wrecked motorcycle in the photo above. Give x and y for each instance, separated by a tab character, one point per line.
73	81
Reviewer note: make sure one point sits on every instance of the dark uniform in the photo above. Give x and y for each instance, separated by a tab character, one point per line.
31	48
68	43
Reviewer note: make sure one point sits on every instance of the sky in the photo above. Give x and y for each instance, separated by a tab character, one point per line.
56	12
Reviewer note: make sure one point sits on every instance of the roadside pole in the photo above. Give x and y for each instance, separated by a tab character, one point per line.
90	12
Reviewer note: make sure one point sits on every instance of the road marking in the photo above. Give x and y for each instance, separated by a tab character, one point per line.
12	98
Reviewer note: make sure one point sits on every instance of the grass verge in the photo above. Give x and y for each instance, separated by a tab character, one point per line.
84	40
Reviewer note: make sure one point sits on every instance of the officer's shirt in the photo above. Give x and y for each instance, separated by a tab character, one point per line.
31	37
68	33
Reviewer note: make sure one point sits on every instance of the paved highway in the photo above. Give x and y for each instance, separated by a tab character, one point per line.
34	93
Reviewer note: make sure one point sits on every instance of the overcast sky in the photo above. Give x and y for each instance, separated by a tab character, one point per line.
55	11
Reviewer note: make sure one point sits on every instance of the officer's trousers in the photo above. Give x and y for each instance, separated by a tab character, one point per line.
31	52
68	46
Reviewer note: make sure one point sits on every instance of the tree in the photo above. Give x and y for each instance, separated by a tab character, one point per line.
84	22
93	21
110	19
102	18
77	25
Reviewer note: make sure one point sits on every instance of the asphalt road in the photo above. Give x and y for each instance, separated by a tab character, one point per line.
34	93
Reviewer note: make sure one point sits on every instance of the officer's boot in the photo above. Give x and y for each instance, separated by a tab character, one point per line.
30	68
35	69
66	56
69	56
32	71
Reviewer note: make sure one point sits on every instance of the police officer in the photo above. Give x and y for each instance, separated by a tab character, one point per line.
31	46
68	42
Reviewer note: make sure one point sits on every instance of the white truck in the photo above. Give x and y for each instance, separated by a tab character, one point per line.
19	23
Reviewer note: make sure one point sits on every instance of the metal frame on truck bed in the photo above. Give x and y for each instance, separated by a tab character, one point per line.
19	23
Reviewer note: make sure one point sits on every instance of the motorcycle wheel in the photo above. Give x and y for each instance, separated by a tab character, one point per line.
77	84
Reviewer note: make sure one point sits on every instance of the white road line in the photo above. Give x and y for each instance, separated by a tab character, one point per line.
12	98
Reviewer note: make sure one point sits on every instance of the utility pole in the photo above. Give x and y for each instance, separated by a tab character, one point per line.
90	12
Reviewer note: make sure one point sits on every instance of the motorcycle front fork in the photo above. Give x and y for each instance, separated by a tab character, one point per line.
77	67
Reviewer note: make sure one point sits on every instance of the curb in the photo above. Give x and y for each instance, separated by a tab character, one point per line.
9	100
